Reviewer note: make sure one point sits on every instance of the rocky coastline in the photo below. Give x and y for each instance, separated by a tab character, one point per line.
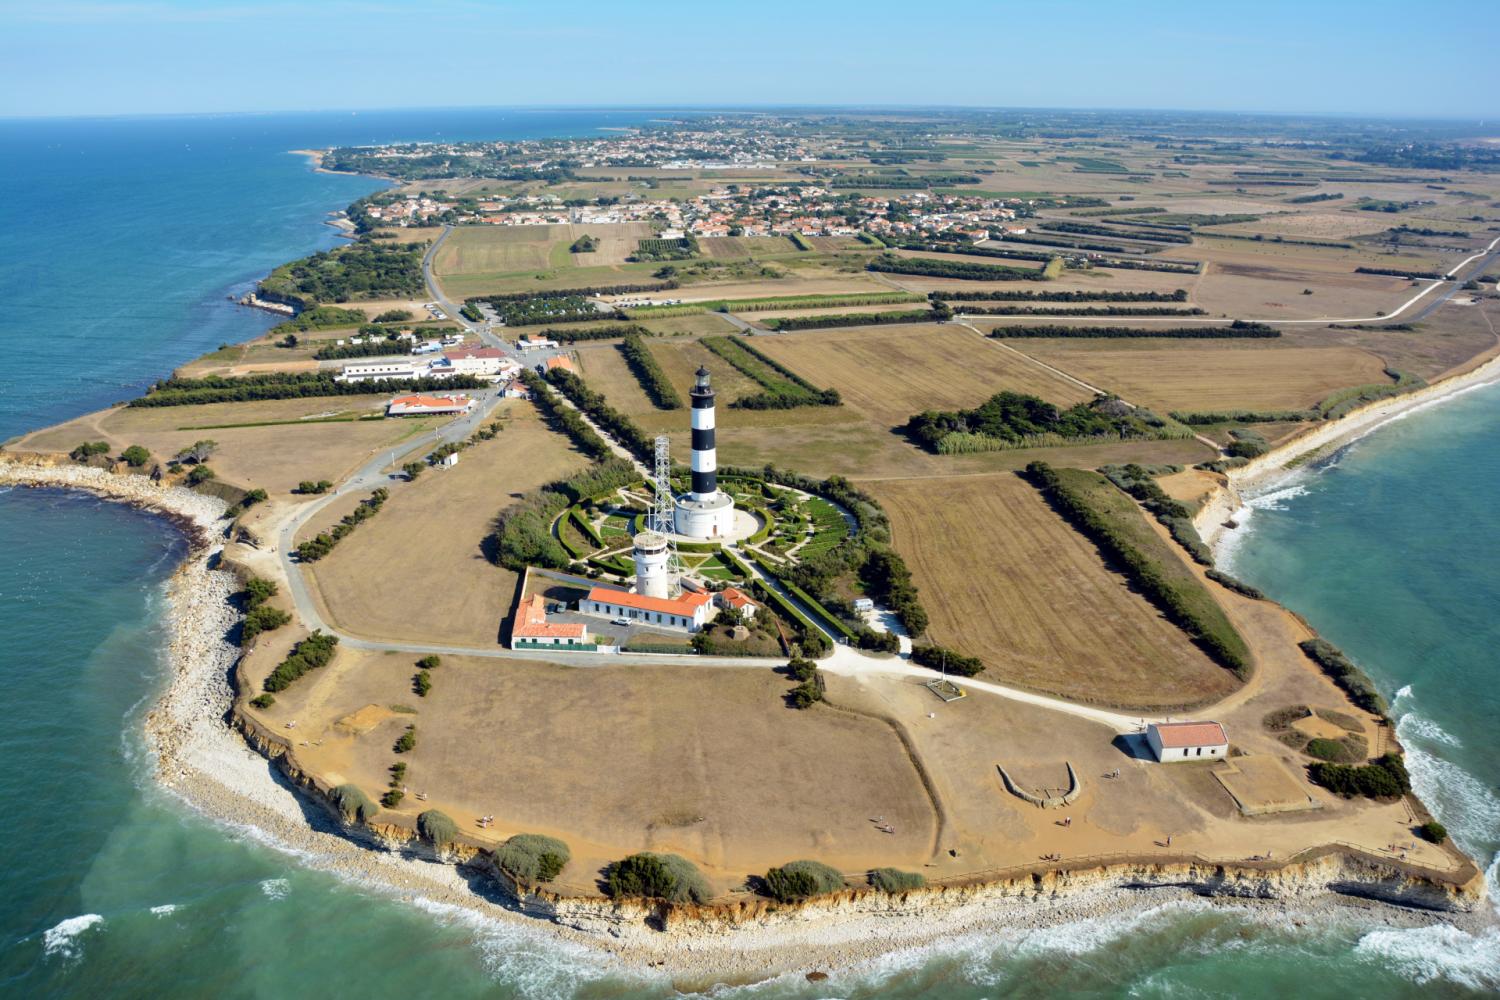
223	766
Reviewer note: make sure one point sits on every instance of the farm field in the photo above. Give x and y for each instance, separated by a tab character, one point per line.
275	457
415	570
889	373
1209	375
1006	579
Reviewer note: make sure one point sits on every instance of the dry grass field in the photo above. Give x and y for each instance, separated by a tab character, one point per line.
888	373
415	570
1008	580
741	247
471	250
1210	375
274	457
710	764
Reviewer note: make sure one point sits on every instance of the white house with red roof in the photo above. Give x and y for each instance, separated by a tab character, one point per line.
532	630
688	611
737	600
420	405
1174	742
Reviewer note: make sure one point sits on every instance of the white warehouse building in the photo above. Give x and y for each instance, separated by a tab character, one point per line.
1173	742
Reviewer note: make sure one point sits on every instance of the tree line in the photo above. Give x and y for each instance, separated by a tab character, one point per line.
1239	329
286	385
649	373
1009	295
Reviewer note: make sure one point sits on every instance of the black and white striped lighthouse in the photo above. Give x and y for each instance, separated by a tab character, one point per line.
705	463
704	511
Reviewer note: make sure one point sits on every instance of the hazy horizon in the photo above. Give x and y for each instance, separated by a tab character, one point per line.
85	58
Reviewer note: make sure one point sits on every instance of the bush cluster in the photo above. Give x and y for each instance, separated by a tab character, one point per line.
948	660
591	290
1244	416
323	543
799	880
311	653
530	858
1013	419
1174	515
1342	671
354	805
928	267
894	880
1238	586
436	828
657	876
851	319
1384	778
260	616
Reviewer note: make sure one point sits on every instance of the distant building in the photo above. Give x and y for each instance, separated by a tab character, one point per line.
419	405
688	611
481	362
1179	741
370	371
532	629
561	361
534	343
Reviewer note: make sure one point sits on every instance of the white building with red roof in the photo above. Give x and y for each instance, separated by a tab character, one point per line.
420	406
533	630
737	600
688	611
1173	742
481	362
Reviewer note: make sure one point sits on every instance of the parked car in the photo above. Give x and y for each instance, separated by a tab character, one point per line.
620	621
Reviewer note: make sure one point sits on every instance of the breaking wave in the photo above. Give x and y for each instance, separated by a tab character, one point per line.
1438	953
63	941
276	888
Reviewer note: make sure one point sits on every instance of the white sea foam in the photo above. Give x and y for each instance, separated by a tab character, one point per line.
525	960
166	909
63	940
1413	726
1466	806
1437	953
276	888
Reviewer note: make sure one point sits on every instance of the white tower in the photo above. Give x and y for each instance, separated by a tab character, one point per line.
652	577
704	512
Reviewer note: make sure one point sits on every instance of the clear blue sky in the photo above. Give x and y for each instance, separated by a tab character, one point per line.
70	57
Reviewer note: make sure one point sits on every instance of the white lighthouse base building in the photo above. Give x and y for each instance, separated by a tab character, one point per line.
708	517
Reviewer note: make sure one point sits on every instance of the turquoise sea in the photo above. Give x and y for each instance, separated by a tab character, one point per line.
123	238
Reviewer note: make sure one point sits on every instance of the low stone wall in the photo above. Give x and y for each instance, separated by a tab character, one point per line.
1075	789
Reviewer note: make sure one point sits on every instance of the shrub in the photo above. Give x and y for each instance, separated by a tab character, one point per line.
353	804
262	619
413	469
392	798
258	591
263	700
798	880
422	684
310	487
893	880
135	456
657	876
88	450
436	828
253	497
197	452
408	740
531	857
808	693
801	669
1325	749
1433	832
393	316
430	662
1233	583
200	474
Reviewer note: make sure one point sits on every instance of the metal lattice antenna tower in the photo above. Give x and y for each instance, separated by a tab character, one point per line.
664	510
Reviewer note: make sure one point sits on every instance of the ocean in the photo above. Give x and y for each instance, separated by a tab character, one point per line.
125	236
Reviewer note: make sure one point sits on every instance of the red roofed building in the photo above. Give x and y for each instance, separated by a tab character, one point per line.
532	630
419	405
1179	741
561	361
737	600
687	611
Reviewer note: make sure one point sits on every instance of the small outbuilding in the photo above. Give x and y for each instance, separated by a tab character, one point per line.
1173	742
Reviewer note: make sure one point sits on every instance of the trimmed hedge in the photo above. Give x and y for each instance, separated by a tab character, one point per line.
1237	330
945	659
648	372
1212	632
798	880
